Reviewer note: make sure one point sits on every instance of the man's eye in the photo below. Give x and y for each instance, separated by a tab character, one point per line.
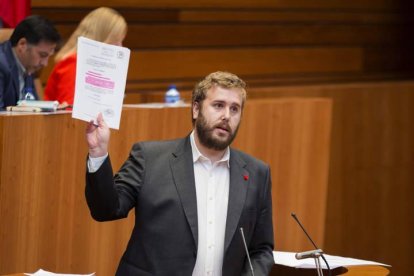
234	109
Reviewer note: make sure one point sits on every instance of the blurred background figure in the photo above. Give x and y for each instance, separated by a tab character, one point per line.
31	44
102	24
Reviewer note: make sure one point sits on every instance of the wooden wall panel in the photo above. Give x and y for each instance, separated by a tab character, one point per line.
195	35
288	16
5	34
44	220
370	212
153	70
317	4
294	124
134	15
206	39
150	65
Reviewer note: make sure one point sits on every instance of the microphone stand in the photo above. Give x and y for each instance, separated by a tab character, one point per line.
319	251
318	264
247	251
315	254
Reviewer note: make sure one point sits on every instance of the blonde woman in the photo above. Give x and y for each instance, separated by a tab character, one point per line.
102	24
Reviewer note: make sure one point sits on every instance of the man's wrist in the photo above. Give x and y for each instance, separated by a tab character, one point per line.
96	153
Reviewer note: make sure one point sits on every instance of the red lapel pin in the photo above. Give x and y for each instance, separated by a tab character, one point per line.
246	177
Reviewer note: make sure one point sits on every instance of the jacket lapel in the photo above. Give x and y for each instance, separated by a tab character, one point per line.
183	174
14	70
239	181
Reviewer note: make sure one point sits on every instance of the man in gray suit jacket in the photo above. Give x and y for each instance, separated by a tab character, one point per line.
31	44
194	198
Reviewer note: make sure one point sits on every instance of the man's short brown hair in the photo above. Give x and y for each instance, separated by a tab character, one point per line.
222	79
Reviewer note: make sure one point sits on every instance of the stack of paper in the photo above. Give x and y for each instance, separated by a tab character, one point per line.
39	106
288	259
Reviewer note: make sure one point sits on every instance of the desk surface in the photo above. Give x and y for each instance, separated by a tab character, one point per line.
365	270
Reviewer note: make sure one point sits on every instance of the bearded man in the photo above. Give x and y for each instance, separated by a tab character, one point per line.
193	197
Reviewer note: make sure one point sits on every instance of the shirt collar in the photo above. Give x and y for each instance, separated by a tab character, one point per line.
197	156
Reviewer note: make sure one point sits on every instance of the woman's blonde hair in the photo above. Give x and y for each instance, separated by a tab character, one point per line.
101	24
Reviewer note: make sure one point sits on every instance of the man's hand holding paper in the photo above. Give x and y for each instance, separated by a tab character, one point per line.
97	137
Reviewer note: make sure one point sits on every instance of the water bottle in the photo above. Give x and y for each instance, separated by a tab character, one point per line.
28	88
172	95
28	96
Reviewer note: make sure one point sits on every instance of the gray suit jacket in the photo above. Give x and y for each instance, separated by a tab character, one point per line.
9	77
158	181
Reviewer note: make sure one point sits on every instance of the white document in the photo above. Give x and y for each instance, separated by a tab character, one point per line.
42	272
288	259
101	71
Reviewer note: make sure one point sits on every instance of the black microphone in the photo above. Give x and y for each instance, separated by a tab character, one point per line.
247	251
316	247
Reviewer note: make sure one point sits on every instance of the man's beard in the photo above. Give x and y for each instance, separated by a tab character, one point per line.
205	133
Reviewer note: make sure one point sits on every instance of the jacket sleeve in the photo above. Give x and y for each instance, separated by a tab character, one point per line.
112	197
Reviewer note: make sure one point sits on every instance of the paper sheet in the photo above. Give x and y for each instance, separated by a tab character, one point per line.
101	71
42	272
288	259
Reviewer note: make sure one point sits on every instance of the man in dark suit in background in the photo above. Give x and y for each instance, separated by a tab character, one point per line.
31	44
191	195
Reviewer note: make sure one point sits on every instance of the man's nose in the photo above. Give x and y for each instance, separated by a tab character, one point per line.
226	114
44	61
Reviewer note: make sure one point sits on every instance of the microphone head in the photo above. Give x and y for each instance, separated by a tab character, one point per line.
309	254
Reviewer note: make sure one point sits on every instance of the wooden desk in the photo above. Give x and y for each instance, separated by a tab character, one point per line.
369	270
44	220
366	270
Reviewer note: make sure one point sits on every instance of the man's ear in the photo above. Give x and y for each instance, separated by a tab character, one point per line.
22	44
196	109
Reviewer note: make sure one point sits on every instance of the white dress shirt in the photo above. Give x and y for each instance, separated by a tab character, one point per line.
94	163
212	189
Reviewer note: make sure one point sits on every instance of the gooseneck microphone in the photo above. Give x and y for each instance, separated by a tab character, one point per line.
247	250
313	252
308	254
